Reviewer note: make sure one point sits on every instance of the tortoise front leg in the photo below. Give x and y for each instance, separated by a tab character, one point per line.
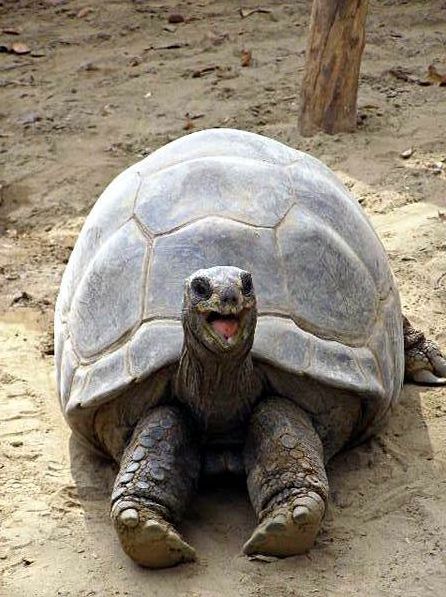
158	473
424	362
287	482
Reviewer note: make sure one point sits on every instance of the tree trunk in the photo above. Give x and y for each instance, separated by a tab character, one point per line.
334	50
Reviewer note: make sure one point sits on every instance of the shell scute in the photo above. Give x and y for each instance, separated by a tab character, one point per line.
326	197
330	290
219	186
155	342
210	242
328	305
107	303
111	210
106	377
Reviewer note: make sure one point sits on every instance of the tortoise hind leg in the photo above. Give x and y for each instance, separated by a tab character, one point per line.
287	482
424	362
159	470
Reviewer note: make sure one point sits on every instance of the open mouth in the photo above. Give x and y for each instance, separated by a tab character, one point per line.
225	326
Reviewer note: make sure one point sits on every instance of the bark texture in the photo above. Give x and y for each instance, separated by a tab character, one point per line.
334	51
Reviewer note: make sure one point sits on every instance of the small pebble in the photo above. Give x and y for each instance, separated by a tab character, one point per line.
407	153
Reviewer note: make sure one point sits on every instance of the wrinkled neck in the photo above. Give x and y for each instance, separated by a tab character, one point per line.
219	388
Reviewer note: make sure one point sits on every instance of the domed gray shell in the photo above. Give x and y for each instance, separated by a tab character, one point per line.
328	306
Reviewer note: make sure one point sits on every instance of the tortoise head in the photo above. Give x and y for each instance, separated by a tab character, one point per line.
219	309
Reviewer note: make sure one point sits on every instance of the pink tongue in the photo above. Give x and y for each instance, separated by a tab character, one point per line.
226	327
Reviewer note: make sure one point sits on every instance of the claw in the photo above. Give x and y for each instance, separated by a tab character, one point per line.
278	523
154	529
427	377
300	513
439	365
129	517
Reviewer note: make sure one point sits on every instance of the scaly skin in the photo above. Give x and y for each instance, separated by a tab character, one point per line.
424	362
158	474
287	482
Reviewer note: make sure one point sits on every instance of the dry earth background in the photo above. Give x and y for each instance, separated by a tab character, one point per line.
96	93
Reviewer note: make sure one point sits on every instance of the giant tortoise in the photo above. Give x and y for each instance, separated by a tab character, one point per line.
229	307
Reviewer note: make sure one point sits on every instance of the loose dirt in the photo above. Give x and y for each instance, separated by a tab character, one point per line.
98	85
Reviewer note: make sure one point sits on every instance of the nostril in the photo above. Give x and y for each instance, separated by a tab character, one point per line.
229	297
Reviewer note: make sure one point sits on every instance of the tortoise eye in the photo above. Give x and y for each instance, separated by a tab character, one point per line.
201	288
247	286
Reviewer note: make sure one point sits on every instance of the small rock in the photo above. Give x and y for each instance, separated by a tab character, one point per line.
407	153
88	66
437	168
29	118
246	58
20	48
21	297
38	53
175	18
12	30
84	12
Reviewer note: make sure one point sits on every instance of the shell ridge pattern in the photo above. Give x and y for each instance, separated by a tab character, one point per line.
150	165
145	280
116	345
249	178
377	365
281	264
254	193
69	365
205	158
310	223
95	231
79	383
303	325
89	266
307	161
161	317
310	356
342	195
146	357
86	332
334	234
211	215
208	143
383	342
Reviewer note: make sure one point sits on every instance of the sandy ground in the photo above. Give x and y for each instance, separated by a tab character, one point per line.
99	89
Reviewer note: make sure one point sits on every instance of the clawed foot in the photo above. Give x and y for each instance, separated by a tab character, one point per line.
149	539
425	364
424	361
290	529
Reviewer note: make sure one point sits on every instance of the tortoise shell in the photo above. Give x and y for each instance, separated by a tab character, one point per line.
327	301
